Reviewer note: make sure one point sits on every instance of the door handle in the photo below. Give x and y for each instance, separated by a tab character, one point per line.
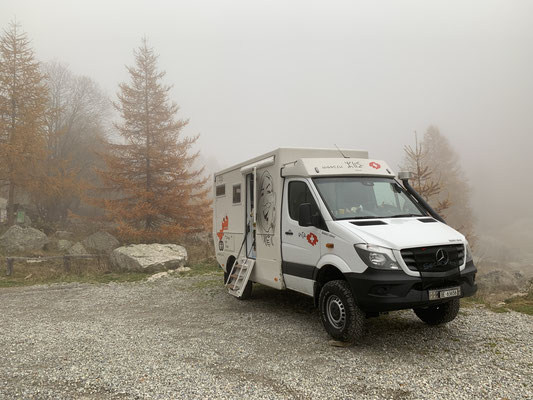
289	232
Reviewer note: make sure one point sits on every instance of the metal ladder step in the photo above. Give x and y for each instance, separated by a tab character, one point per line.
239	276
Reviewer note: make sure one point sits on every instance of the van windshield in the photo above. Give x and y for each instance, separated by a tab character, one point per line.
366	197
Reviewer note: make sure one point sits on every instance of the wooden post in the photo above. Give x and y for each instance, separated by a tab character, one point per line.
9	270
66	263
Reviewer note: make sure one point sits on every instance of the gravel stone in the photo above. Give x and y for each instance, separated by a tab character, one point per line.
185	337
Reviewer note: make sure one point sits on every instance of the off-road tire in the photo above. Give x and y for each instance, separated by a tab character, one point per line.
345	320
440	313
226	275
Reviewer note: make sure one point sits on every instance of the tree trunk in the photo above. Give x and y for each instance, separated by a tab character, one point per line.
11	204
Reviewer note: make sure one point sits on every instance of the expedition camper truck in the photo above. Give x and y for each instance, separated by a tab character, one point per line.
341	228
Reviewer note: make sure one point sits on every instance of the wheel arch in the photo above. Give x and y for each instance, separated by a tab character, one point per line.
324	274
229	263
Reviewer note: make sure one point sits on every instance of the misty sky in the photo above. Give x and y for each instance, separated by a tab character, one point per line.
256	75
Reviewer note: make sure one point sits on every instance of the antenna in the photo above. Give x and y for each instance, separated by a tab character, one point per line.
340	151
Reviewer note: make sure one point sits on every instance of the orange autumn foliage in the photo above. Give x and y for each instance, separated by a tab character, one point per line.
23	100
156	194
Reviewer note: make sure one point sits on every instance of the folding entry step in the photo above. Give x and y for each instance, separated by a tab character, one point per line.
240	273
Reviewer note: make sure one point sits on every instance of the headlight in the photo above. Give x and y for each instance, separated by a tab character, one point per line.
468	253
377	257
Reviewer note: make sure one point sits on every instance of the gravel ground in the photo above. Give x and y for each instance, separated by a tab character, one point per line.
187	338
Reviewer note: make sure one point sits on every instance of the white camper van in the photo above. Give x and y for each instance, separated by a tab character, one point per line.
342	228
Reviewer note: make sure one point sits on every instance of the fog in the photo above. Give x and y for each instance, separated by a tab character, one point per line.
253	76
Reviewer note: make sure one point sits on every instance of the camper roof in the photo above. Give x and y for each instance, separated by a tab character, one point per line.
285	155
336	166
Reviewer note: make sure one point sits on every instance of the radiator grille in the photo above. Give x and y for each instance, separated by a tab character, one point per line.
434	258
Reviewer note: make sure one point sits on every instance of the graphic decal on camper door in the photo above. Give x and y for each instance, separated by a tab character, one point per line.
225	224
267	208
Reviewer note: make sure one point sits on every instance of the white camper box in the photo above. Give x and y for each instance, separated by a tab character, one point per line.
259	237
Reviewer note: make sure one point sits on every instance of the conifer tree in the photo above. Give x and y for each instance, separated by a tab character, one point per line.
75	121
426	181
158	196
455	186
23	98
439	178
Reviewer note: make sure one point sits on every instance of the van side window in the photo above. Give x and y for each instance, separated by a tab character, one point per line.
299	193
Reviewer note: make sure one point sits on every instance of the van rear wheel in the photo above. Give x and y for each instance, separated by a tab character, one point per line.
440	313
341	317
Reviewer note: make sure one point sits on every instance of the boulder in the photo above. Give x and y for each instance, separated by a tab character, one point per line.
63	235
76	250
100	242
501	281
18	239
64	245
149	257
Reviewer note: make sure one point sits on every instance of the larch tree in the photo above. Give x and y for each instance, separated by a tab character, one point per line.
23	101
75	130
439	178
157	194
426	181
455	186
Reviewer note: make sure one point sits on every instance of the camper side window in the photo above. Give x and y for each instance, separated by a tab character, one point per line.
237	194
299	193
220	190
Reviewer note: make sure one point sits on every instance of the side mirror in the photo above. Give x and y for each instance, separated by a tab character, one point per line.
405	175
304	215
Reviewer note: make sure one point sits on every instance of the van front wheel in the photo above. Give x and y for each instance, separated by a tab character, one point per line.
439	314
341	317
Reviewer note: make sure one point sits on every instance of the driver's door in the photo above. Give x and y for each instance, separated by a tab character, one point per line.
300	244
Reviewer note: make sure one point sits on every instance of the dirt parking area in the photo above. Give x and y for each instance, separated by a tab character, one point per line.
187	338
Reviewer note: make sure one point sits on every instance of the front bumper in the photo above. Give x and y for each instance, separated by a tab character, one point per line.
378	290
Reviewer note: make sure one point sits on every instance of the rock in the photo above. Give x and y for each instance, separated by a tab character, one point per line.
152	257
501	281
19	239
100	242
64	245
64	235
157	276
77	250
183	269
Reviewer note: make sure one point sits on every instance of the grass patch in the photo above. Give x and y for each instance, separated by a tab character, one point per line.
522	304
53	271
84	271
204	268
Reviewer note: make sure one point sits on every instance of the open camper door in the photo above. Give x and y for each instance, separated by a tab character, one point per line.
264	188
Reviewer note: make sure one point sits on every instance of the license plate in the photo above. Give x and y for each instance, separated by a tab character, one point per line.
444	293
